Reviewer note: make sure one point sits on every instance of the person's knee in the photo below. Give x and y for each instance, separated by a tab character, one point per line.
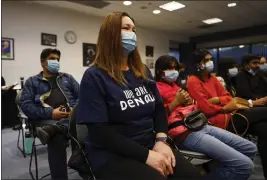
58	140
245	166
253	149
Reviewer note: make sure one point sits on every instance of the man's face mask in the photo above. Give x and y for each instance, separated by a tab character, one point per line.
128	42
233	72
171	75
263	67
53	66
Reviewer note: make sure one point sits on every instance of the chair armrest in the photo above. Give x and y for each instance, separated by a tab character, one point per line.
193	154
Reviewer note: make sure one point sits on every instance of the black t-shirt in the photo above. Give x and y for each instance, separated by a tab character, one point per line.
56	97
129	110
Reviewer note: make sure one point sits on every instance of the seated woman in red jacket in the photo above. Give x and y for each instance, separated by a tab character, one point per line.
212	100
234	152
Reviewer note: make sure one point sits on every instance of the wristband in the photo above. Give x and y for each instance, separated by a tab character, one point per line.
250	103
162	139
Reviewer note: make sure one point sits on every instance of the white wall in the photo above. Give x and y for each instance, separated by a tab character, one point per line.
25	22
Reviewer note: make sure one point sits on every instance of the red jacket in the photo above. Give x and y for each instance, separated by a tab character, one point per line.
168	93
203	91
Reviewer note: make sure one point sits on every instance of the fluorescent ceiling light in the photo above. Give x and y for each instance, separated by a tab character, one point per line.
156	11
212	21
171	6
241	46
127	3
231	4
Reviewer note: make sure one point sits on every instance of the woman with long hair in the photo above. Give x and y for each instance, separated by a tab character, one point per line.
213	100
124	114
227	70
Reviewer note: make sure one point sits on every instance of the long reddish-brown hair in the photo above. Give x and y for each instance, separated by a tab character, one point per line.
110	50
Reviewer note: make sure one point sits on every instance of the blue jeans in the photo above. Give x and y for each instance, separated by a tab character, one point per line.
233	152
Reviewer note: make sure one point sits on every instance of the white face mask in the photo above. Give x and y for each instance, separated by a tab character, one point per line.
171	75
209	66
183	81
252	72
263	67
233	72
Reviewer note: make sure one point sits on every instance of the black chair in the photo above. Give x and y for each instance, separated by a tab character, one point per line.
32	129
77	134
22	126
28	124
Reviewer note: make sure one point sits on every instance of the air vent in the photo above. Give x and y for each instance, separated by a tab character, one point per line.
94	4
205	26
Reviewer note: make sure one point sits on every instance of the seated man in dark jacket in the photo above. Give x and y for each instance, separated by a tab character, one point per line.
47	99
263	66
250	82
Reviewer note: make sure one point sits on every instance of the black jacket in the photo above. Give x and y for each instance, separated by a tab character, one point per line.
251	87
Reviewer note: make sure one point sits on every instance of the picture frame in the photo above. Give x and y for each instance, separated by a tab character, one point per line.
150	63
149	51
89	53
7	48
48	39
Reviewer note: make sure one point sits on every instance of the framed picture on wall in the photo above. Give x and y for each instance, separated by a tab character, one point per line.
48	39
7	48
150	63
89	53
149	51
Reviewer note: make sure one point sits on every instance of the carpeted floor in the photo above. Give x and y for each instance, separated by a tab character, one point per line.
15	166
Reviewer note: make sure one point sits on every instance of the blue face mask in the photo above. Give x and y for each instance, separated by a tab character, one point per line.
233	72
171	75
53	66
263	67
128	42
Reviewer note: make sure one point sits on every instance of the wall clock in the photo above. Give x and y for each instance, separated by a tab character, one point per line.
70	37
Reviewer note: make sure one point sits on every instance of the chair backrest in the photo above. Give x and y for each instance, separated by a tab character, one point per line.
18	97
79	131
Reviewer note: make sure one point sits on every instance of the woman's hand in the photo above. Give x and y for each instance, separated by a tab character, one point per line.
166	151
158	162
214	100
260	102
182	97
189	101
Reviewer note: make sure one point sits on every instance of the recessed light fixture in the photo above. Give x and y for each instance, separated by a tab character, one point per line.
127	3
231	4
171	6
156	11
241	46
212	21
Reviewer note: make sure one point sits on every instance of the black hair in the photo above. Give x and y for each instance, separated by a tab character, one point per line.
224	64
197	56
164	63
46	52
249	57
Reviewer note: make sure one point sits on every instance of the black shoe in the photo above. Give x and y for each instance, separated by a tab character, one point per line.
48	132
77	162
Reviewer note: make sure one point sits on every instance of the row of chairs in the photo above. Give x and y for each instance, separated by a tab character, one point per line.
79	140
